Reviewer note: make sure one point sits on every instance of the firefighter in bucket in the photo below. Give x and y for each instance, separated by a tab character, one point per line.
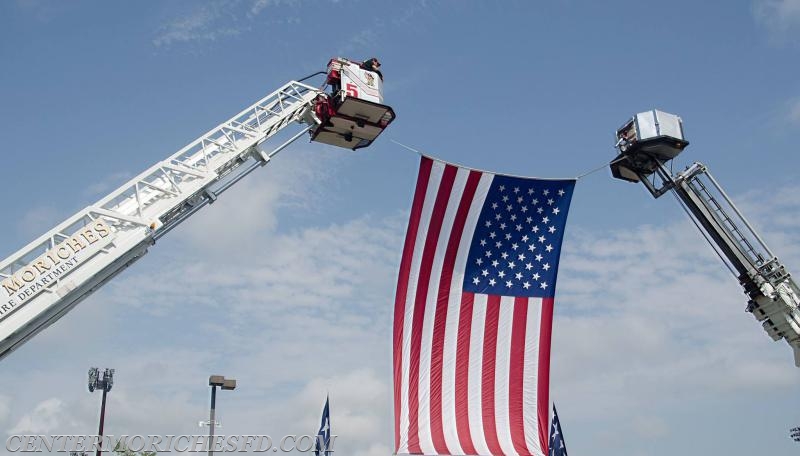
353	115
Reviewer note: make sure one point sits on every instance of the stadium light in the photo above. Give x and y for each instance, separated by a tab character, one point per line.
215	381
98	381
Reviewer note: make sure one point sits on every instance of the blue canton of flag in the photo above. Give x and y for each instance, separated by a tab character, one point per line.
324	433
517	240
557	447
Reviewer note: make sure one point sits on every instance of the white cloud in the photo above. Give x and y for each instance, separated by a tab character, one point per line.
649	316
5	407
375	450
38	220
108	183
771	212
202	24
261	5
248	212
649	427
42	10
219	19
778	16
48	416
359	404
291	313
365	40
794	112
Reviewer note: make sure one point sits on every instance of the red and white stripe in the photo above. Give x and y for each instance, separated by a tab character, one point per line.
471	371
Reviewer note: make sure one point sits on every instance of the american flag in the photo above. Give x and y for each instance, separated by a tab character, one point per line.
473	312
557	447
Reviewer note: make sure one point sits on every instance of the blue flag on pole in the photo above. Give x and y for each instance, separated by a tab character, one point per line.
324	433
557	446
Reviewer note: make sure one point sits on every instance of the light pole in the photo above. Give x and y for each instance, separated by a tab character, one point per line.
104	382
227	384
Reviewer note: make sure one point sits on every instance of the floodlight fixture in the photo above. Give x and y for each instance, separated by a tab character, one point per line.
229	384
93	372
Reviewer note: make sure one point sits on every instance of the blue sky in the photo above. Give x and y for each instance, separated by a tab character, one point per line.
292	272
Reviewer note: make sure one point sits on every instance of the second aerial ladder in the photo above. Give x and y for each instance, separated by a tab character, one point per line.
646	144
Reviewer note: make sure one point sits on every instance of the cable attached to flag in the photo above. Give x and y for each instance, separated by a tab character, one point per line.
580	176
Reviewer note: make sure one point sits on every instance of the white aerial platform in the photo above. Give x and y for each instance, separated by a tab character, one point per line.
354	114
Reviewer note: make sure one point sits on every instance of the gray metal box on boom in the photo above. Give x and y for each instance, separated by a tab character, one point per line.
645	141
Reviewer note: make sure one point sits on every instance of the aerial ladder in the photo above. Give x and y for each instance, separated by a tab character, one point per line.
44	280
647	143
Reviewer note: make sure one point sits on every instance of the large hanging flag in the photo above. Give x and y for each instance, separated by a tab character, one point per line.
323	440
473	312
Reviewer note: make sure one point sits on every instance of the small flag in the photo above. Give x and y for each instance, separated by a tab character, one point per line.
557	446
324	433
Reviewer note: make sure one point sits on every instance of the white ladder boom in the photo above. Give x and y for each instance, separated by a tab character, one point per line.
48	277
650	140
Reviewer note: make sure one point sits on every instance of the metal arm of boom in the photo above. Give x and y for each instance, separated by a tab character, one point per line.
774	295
48	277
